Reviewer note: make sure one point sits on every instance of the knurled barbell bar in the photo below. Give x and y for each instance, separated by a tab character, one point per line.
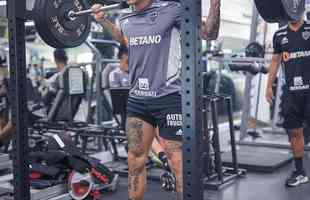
66	23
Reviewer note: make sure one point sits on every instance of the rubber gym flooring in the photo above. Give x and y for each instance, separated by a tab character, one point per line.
253	187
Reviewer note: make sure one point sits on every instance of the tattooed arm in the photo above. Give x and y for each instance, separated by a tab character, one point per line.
116	33
211	25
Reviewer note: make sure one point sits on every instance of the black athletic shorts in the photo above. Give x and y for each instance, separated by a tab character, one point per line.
163	112
296	110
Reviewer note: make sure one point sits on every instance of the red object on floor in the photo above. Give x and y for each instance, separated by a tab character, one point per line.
35	175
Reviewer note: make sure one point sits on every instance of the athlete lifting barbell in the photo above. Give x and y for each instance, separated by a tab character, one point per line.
155	99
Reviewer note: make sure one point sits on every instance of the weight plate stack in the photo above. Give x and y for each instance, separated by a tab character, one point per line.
54	26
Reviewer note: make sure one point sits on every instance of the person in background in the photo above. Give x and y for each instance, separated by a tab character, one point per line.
120	76
291	49
3	97
35	75
61	61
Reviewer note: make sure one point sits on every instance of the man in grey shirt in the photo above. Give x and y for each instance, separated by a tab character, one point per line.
52	83
120	76
152	33
61	60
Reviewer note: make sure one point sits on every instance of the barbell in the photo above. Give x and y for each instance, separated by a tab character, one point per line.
280	10
65	23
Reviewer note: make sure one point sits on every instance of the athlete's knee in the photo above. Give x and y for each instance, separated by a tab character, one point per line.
174	152
136	164
136	149
137	158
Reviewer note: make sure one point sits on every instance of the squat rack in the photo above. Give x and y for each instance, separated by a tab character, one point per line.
191	100
17	56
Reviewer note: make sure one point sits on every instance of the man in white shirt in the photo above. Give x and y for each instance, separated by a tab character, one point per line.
120	76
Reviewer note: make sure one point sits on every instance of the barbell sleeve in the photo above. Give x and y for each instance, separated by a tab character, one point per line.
122	5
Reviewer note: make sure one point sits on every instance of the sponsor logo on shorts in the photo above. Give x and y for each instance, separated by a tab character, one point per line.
179	132
174	120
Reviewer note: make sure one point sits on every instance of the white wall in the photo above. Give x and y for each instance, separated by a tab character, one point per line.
235	22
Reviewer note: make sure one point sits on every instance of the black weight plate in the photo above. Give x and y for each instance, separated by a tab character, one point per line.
294	9
41	25
270	10
255	49
67	32
56	29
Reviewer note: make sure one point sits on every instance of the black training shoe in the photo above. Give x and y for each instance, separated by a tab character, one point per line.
296	179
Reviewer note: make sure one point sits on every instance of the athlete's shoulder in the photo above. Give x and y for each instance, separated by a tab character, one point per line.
281	31
168	4
157	4
125	16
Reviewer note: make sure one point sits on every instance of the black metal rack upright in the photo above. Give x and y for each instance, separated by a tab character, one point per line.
16	10
192	100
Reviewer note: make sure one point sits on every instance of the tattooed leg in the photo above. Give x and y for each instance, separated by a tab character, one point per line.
173	150
140	136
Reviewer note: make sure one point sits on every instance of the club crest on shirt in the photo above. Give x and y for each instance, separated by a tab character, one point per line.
153	16
284	40
306	35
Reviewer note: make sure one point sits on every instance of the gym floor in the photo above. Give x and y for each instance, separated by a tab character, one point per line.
254	186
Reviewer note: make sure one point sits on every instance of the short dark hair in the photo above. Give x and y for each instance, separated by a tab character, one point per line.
60	55
122	50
